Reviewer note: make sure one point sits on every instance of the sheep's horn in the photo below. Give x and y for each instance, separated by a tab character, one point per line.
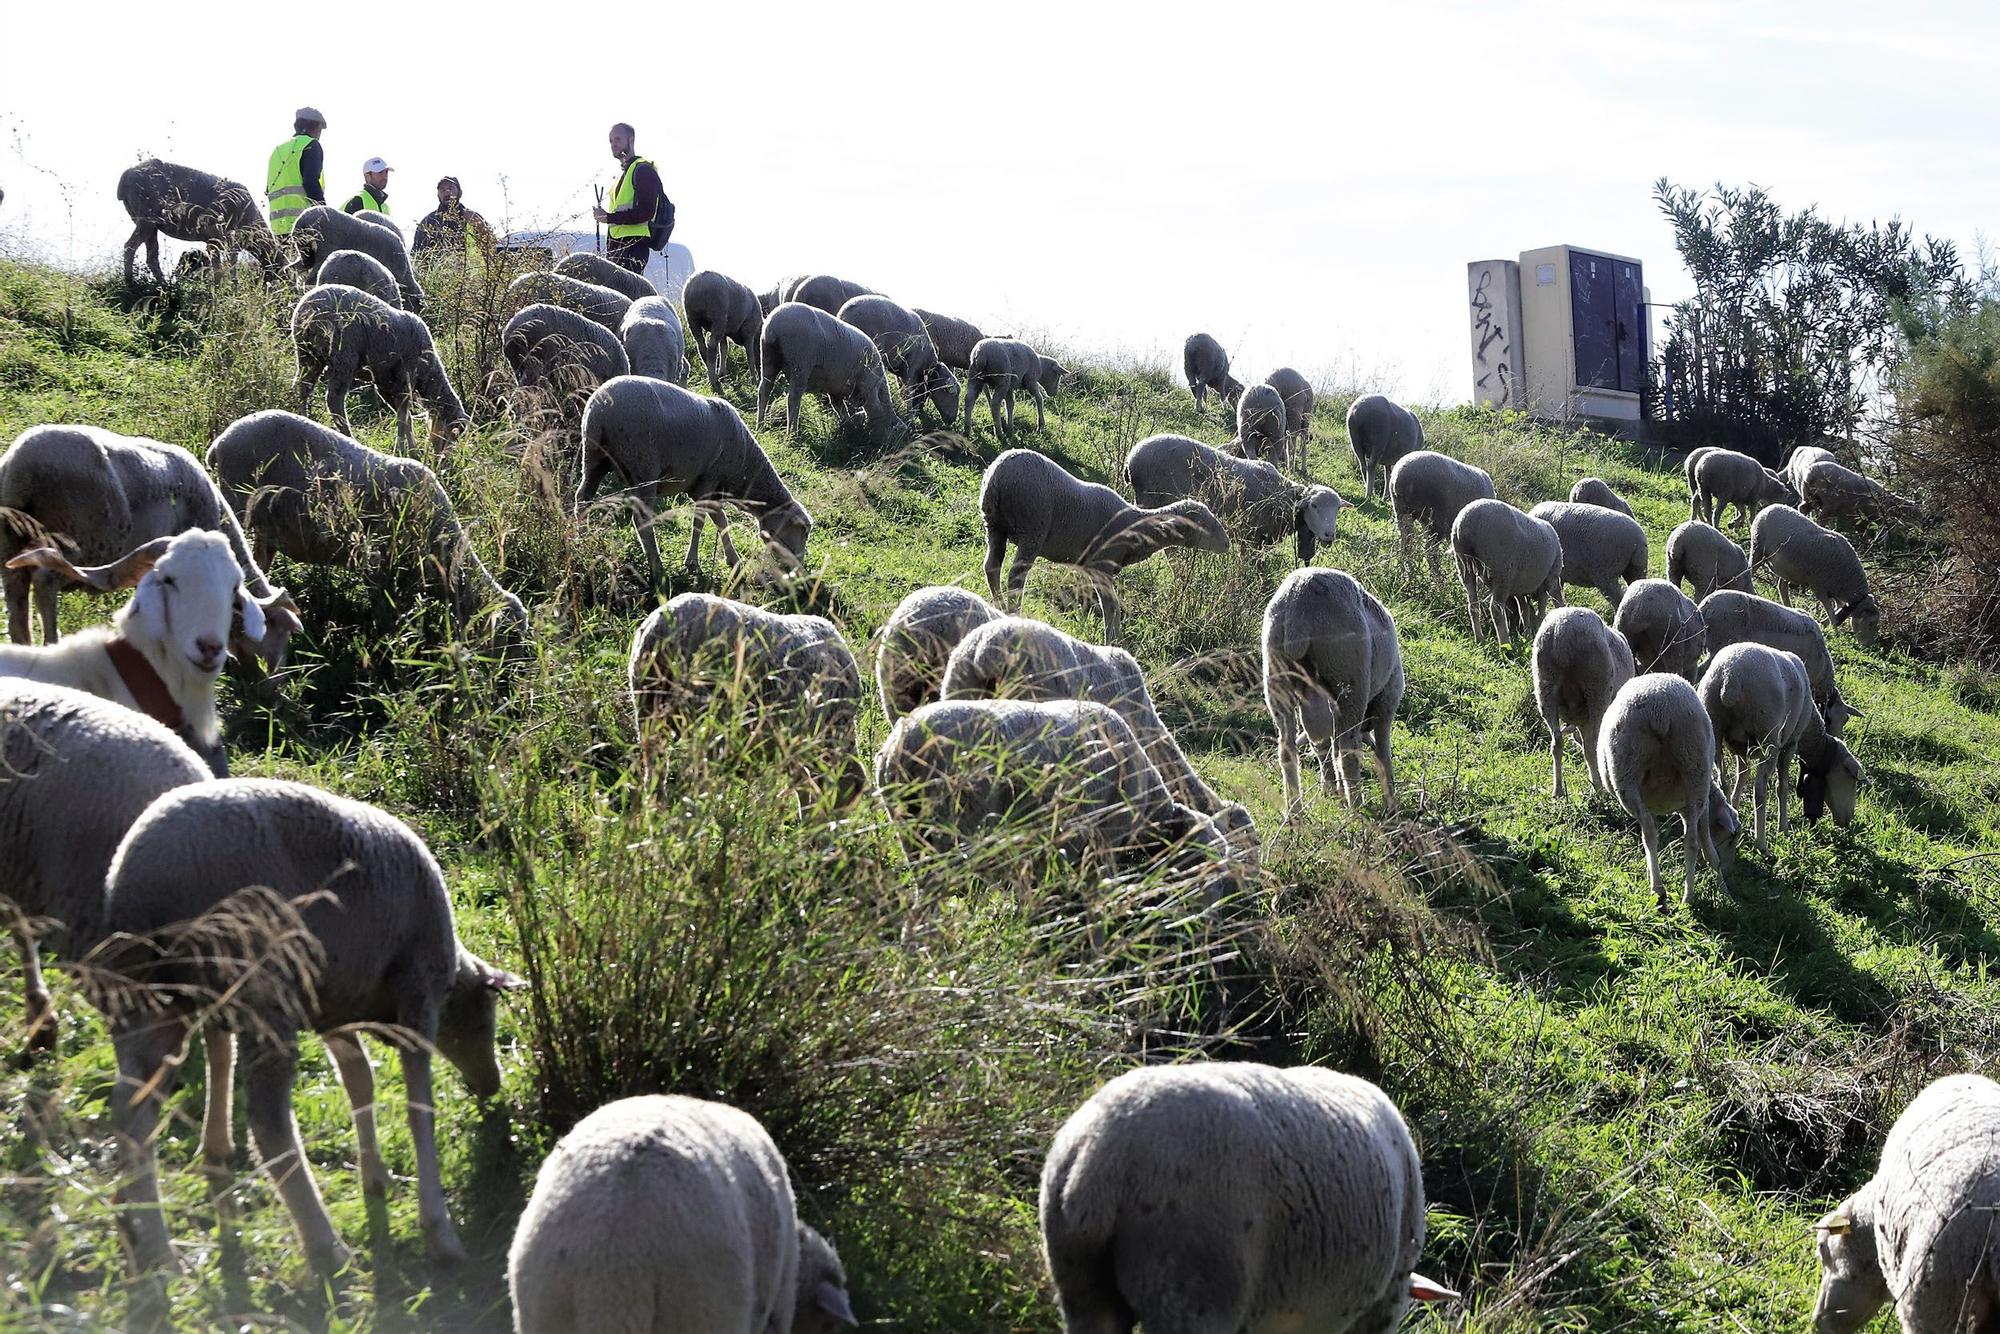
1837	1222
124	572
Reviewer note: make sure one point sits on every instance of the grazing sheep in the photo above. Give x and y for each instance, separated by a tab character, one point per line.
1381	432
1332	661
1800	461
1723	477
1833	492
1731	617
1759	701
917	641
317	495
1597	491
1920	1233
1602	549
589	267
1793	549
1047	514
1705	558
1579	664
671	1215
1298	397
1261	502
907	352
389	955
721	311
607	305
661	438
815	352
344	334
1656	752
999	367
1662	627
351	268
1688	466
1431	489
1512	560
1206	366
1231	1196
654	343
1260	425
824	292
192	205
954	339
561	353
322	232
75	772
98	495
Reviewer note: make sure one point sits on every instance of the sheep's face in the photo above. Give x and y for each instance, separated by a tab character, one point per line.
467	1022
941	388
787	527
1725	828
1835	787
1198	527
1866	616
189	602
1851	1286
821	1305
1319	511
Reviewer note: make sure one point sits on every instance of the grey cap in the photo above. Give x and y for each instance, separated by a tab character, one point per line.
309	113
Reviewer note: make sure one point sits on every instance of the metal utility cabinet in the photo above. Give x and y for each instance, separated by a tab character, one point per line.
1560	334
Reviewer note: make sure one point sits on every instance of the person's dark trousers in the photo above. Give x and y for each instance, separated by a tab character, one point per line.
628	252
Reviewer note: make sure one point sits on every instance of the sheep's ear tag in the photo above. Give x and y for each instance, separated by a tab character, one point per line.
830	1298
1836	1224
1430	1290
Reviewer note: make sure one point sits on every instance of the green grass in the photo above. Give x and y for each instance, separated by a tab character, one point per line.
1629	1117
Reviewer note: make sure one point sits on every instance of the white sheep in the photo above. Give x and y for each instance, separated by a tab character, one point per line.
1800	461
1510	560
1833	492
322	232
1000	366
1047	514
721	311
816	353
826	293
1731	617
1298	397
389	954
1332	663
1232	1196
953	338
557	351
1662	627
1602	549
672	1215
654	343
1260	502
1206	366
917	640
1429	488
1380	432
1920	1233
1705	558
589	267
1656	753
352	268
1723	477
607	305
1579	665
1760	702
1260	425
907	352
1794	550
1688	465
344	334
1597	491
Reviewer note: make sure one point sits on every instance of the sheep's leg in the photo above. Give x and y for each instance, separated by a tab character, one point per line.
1784	591
338	383
1762	791
1556	756
153	254
440	1237
405	392
357	1076
795	392
270	1069
218	1141
16	584
1107	603
310	369
1470	582
1787	758
48	594
720	519
970	401
1381	718
142	234
1017	574
1649	837
1284	716
711	359
1041	422
1692	823
766	383
996	554
41	1008
147	1057
694	546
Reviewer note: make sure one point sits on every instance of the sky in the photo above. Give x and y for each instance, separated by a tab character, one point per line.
1307	183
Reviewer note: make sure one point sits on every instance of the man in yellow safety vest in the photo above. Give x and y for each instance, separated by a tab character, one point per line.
638	205
296	178
374	192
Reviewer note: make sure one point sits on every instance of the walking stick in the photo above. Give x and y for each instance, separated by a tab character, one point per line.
600	226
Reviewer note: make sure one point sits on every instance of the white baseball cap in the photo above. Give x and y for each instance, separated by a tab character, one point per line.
375	164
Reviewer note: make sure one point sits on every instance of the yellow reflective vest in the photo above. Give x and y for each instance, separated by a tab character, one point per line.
623	198
369	200
285	186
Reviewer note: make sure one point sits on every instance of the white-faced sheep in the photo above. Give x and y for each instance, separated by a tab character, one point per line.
1833	492
344	334
1662	627
323	231
1602	549
1795	551
1511	561
1260	426
1705	558
1920	1233
589	267
1029	501
653	340
607	305
1298	397
721	311
1597	491
664	440
1430	489
1260	503
674	1215
1579	664
1800	461
1231	1196
917	640
1723	477
953	338
826	293
1000	366
351	268
1760	702
907	353
192	205
1380	432
1656	752
1688	466
1206	366
1334	665
1731	617
816	353
558	352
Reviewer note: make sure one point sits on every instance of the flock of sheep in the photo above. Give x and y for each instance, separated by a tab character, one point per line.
1208	1199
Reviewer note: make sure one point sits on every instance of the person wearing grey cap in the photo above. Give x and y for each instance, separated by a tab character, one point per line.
451	227
374	192
296	178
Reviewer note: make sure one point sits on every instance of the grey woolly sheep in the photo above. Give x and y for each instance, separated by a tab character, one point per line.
673	1215
954	339
374	902
351	268
1656	752
824	292
323	231
1298	397
1597	491
1834	492
1231	1196
344	334
653	340
559	352
663	439
1000	366
917	640
1731	617
907	353
1602	549
1688	466
1429	488
1723	477
192	205
1760	702
1662	627
1260	425
1380	432
1332	663
1260	502
1919	1234
1705	558
1800	461
1794	550
816	353
721	311
589	267
1206	366
607	305
1047	514
1579	664
1511	560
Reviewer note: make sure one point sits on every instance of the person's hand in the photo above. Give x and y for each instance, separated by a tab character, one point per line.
600	215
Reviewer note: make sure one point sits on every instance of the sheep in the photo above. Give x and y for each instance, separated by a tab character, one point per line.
815	352
1429	488
907	353
1688	465
75	772
316	495
607	305
1602	549
99	495
1298	397
826	293
322	232
1206	367
1723	477
1332	662
1018	658
660	437
917	640
654	343
1597	491
1000	366
589	267
560	352
1662	626
192	205
1835	492
1579	664
1047	514
1731	617
1260	425
1232	1196
675	1215
351	268
721	311
954	339
1656	753
1380	432
1920	1232
1510	559
1800	461
373	900
1795	550
702	655
344	334
1759	702
1260	502
1705	558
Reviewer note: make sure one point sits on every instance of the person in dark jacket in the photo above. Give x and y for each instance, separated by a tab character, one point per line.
636	203
449	227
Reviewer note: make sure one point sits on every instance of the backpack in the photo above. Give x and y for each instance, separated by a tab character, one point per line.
662	225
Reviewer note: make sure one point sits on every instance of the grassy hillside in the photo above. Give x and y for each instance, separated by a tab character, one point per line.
1629	1117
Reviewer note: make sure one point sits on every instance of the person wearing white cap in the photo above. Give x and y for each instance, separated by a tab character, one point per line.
296	178
374	191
